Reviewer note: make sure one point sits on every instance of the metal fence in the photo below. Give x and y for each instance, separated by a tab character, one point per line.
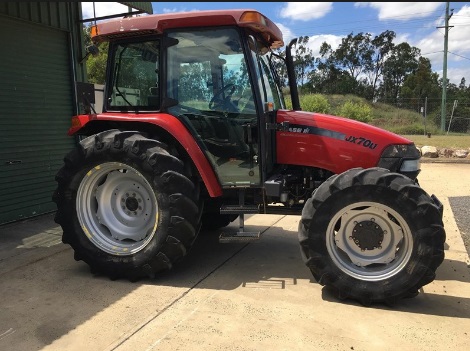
457	118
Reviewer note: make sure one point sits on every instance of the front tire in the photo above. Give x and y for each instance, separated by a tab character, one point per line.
125	205
372	235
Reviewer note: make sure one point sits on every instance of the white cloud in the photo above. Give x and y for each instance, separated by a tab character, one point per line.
402	38
174	9
402	11
181	9
432	47
102	9
305	11
315	42
287	34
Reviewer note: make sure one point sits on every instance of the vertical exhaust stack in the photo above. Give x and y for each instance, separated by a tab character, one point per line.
294	93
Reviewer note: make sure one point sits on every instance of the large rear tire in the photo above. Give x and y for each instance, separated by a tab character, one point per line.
125	205
372	236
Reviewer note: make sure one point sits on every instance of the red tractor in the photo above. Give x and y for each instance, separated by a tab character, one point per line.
195	133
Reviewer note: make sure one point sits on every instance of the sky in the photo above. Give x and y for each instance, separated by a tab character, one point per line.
414	22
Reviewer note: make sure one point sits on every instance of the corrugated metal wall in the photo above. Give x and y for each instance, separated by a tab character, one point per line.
42	47
36	104
52	14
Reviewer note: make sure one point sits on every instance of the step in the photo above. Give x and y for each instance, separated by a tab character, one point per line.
240	237
239	209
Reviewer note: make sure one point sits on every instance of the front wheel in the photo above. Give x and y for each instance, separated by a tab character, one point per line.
125	205
372	235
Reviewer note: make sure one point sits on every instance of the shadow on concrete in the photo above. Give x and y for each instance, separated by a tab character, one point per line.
275	261
425	303
48	295
44	292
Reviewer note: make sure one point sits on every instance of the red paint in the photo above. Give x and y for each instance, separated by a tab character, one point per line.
327	152
173	126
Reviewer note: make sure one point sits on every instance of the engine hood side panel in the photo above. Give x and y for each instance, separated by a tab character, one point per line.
329	142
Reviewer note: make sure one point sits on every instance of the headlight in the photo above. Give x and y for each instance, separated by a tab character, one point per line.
410	165
402	151
404	158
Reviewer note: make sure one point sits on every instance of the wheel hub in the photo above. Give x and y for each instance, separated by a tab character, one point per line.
368	235
132	204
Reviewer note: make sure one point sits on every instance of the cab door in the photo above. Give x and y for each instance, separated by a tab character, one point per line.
270	99
207	78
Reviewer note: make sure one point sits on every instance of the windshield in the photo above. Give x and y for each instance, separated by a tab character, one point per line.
266	74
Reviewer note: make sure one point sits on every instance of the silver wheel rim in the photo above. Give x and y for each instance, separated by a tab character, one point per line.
117	208
369	241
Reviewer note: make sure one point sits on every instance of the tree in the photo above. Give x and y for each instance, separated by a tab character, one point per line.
95	65
420	84
462	84
329	78
303	60
402	61
380	47
461	116
354	55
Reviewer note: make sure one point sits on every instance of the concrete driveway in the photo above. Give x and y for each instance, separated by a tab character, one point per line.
256	296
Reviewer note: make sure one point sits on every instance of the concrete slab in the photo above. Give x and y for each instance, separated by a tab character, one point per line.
254	296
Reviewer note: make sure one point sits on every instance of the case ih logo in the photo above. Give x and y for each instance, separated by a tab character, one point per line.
361	141
297	128
304	130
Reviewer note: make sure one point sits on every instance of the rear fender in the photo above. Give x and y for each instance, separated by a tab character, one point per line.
173	126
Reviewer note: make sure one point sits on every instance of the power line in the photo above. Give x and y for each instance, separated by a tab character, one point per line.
416	23
430	53
458	55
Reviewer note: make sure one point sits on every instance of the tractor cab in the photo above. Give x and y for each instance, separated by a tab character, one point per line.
219	82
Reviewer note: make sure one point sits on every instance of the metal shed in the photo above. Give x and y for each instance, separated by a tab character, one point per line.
42	47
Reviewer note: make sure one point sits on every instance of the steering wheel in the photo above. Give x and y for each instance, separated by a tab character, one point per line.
217	98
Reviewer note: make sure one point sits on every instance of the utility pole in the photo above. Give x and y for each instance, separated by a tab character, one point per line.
444	68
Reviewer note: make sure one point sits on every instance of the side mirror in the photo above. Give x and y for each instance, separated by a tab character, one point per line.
93	50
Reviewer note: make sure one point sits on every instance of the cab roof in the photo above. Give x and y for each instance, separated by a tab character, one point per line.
157	24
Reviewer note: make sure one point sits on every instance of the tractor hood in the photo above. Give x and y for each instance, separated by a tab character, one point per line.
336	143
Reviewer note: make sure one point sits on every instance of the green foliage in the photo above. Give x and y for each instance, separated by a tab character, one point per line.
315	103
413	129
356	110
397	120
96	66
311	103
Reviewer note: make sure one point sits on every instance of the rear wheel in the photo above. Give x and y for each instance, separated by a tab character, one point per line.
372	235
125	205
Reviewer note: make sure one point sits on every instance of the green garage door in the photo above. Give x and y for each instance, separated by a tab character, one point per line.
36	104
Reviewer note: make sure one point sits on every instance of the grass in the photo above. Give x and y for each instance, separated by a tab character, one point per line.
452	141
